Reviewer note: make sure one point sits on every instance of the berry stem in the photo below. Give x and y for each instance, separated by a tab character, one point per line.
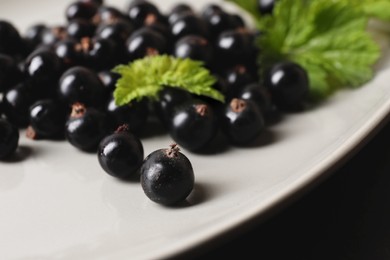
173	150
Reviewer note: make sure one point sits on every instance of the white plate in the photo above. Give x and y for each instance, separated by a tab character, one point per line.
59	204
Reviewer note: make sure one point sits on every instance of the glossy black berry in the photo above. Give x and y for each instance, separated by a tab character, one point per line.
168	99
69	52
34	34
167	176
43	69
140	11
258	94
288	84
86	127
217	19
10	40
236	78
145	42
242	122
177	10
189	24
80	84
109	79
194	47
79	28
193	125
98	53
81	10
121	154
16	103
47	119
118	30
235	47
266	6
9	139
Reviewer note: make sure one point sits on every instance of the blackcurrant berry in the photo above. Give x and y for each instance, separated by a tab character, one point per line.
97	53
235	47
43	69
193	125
47	119
177	10
189	24
145	42
121	154
258	94
9	139
86	127
168	99
194	47
167	176
80	84
81	9
80	28
140	11
242	122
288	84
68	51
34	34
16	103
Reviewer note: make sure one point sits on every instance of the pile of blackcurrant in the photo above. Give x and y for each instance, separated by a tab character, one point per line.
57	83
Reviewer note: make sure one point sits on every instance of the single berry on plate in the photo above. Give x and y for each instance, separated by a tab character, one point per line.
121	153
9	139
167	176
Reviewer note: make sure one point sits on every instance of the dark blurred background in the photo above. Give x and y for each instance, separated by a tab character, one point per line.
347	216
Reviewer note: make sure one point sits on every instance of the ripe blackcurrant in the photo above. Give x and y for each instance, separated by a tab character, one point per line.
167	176
288	84
86	127
121	154
47	119
242	122
193	125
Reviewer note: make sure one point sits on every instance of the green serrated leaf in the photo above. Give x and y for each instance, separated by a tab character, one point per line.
144	78
328	38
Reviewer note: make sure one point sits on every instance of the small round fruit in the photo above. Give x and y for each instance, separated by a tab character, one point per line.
9	139
80	84
288	84
242	122
193	125
10	40
47	119
121	154
86	127
167	176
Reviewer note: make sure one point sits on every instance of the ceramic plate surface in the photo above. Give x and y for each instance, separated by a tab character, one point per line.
57	203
